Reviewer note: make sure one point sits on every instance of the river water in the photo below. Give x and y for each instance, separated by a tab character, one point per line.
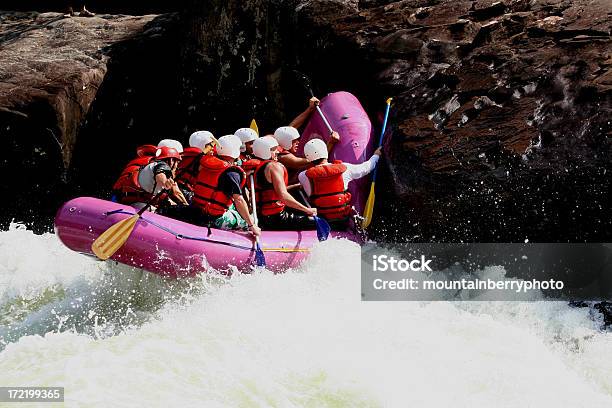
115	336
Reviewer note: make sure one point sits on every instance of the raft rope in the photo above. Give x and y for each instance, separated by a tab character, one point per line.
202	239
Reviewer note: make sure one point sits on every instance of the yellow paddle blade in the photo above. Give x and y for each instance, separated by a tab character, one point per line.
369	208
254	126
113	238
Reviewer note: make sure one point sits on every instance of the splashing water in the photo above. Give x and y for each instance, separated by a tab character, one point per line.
117	336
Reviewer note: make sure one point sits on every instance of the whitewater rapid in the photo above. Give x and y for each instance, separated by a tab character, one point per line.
115	336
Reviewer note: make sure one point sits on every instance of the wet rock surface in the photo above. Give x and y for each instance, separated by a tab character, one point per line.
500	128
51	71
501	122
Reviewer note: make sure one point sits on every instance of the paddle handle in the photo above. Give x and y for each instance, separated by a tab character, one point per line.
382	133
321	114
151	201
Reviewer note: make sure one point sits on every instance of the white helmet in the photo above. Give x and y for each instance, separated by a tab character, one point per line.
171	143
246	135
262	146
200	139
229	145
315	149
286	135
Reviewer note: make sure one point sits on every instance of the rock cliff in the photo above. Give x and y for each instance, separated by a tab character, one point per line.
500	129
501	123
52	70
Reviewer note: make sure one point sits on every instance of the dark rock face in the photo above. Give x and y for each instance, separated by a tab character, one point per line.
501	122
51	69
235	57
223	53
500	129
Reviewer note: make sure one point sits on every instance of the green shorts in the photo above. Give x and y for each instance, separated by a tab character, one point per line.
231	220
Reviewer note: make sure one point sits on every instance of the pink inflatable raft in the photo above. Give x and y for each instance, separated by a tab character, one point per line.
173	248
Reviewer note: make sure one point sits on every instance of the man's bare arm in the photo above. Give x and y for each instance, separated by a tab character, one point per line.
276	178
293	162
243	210
301	118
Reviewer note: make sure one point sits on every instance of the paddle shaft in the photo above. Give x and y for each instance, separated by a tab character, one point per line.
115	236
151	201
304	198
253	204
369	208
382	134
321	113
323	227
252	180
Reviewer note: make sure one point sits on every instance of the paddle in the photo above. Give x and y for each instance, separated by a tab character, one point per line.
321	113
115	236
254	126
306	83
323	228
369	207
260	259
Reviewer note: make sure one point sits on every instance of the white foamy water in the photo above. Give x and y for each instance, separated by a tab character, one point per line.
114	336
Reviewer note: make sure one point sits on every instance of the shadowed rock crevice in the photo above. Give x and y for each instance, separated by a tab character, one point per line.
136	104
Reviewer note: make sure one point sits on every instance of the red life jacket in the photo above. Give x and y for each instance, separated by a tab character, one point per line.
250	165
187	172
146	150
127	188
207	195
268	201
328	192
244	157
